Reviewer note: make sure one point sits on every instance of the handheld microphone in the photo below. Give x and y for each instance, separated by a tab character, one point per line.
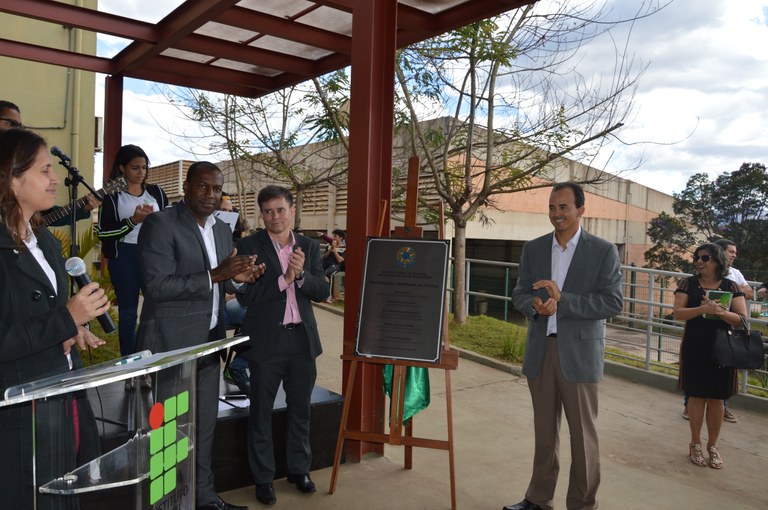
76	269
60	154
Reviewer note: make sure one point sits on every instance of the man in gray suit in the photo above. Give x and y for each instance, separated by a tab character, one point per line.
569	282
186	256
284	339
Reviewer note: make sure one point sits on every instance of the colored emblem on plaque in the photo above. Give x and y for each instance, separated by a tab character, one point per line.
406	256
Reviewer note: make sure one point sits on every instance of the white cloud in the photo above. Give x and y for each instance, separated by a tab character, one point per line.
705	89
154	124
141	10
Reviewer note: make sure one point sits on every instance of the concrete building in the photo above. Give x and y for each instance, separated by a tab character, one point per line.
618	209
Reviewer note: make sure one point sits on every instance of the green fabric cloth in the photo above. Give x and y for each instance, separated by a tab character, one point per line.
416	389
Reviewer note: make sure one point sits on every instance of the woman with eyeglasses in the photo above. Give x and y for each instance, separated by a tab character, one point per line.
39	327
706	383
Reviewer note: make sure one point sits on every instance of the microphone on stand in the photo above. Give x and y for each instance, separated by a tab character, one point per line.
60	154
76	269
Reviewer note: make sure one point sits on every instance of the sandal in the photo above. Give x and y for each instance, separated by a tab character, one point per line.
696	454
715	460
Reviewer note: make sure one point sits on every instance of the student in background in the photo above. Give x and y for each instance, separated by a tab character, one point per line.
120	219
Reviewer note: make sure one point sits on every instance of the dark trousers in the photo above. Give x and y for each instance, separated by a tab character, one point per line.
126	279
207	412
292	365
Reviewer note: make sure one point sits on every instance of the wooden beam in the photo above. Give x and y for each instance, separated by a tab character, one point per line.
45	55
285	29
80	17
184	20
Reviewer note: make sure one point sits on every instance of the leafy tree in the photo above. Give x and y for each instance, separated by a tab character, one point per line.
673	241
732	205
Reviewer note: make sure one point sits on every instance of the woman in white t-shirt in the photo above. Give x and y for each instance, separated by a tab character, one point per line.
120	219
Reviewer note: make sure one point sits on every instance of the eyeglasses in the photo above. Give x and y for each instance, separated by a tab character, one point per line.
12	122
704	258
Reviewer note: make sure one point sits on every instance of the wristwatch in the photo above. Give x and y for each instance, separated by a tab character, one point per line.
300	277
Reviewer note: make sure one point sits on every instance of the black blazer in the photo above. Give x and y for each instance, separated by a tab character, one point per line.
34	320
174	272
266	303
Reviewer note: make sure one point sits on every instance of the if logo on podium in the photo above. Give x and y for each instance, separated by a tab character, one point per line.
167	447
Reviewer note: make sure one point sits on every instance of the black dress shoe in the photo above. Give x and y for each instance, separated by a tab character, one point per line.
265	493
220	504
523	505
302	482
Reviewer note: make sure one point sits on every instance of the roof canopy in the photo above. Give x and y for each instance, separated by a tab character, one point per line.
243	47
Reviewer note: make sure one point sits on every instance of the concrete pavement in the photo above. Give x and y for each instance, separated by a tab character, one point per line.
644	447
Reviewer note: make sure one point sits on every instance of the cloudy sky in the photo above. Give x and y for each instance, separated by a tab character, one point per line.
702	105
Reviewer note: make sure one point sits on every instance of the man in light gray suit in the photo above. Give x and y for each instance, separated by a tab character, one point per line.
186	257
569	282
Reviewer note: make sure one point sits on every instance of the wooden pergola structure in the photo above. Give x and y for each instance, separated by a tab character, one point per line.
251	48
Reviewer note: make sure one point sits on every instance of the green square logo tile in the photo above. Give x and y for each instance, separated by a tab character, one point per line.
169	480
169	433
156	490
182	404
169	456
156	465
155	441
170	409
182	449
165	452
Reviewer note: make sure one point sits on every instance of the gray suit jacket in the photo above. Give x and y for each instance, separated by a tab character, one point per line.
591	293
174	273
266	303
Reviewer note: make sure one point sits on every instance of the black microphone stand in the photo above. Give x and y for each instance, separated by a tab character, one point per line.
72	181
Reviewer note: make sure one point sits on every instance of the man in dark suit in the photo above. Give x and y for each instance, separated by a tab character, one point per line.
284	339
569	282
186	257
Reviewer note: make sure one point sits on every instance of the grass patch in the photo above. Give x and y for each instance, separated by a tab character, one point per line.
489	337
632	360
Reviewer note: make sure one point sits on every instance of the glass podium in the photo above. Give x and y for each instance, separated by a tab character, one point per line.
154	466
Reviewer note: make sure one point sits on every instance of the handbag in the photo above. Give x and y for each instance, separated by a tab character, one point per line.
738	348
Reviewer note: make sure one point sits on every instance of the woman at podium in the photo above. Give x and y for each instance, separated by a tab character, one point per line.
39	327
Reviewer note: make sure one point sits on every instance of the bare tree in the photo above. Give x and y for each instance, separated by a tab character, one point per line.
273	138
512	102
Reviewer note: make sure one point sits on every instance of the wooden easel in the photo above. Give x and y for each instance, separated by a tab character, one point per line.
449	360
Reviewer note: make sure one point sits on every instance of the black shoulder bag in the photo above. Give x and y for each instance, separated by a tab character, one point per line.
738	348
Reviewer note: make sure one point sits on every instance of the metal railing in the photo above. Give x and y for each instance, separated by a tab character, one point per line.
645	334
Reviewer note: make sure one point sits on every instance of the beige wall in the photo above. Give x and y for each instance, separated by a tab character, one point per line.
56	102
